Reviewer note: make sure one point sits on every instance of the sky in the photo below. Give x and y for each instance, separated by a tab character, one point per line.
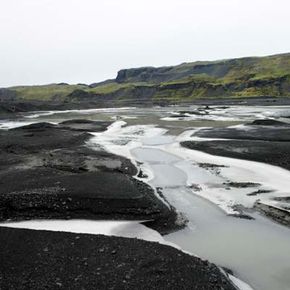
86	41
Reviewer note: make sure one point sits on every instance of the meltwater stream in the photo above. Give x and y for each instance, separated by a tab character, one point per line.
258	251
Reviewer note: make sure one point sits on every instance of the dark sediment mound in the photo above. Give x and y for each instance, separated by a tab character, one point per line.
241	184
76	125
133	96
38	137
277	133
179	116
275	153
259	191
36	126
84	159
52	260
8	108
280	215
85	125
268	144
213	168
199	111
268	122
46	193
78	121
47	172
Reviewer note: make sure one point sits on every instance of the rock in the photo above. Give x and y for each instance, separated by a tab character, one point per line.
195	187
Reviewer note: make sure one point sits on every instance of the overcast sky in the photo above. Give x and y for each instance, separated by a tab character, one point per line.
46	41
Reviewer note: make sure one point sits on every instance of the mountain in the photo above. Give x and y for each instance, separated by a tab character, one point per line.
233	78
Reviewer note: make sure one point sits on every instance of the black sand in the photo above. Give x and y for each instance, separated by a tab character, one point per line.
277	133
47	172
55	260
275	153
265	141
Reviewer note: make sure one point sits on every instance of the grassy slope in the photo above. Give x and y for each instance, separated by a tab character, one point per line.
249	71
236	78
45	92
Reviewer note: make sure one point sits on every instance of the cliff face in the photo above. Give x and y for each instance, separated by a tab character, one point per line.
243	77
250	67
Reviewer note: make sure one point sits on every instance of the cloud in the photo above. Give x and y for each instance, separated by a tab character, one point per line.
87	40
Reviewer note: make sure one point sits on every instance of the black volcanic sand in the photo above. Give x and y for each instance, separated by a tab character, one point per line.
46	172
74	124
268	122
265	141
57	260
275	153
85	125
266	132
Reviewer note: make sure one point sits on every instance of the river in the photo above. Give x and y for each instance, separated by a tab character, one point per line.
257	250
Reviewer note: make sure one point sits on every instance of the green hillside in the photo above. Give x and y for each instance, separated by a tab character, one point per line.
243	77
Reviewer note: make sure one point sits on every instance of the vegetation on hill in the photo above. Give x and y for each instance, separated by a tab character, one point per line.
45	92
243	77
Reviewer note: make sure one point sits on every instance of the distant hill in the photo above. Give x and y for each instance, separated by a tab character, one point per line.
235	78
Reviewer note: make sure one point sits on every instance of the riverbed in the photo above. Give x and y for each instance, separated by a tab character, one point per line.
257	250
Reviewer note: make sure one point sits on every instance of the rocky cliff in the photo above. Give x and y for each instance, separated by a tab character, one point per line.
234	78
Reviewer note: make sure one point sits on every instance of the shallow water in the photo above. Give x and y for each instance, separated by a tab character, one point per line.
258	251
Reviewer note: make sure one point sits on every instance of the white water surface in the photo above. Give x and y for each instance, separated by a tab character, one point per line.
6	125
129	229
230	113
258	251
38	114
